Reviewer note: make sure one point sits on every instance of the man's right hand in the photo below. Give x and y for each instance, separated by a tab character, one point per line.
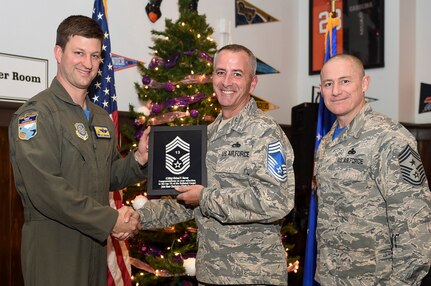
127	225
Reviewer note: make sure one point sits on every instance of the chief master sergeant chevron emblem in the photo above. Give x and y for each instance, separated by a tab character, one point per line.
411	166
276	164
177	156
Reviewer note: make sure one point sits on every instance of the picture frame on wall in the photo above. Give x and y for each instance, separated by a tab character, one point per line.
361	33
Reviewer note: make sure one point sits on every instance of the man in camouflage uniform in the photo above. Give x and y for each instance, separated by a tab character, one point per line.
373	225
250	186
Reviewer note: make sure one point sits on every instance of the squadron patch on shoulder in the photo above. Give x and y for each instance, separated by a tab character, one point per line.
27	126
102	132
412	170
80	131
276	164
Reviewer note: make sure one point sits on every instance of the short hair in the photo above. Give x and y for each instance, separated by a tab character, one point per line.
239	48
355	60
78	25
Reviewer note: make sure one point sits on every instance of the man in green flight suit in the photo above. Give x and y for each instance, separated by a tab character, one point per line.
65	161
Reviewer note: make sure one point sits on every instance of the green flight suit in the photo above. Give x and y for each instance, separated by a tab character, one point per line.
63	172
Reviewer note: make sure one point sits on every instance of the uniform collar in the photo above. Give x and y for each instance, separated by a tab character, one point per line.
354	129
61	93
238	123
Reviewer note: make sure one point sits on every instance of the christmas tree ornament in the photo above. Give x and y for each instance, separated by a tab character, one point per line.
146	80
190	266
153	10
193	5
194	113
169	86
139	202
171	61
156	108
155	63
138	134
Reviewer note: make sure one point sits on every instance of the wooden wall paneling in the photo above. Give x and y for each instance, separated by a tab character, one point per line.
11	211
422	133
11	219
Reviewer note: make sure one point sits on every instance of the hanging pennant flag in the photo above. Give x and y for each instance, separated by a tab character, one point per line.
263	104
264	68
121	62
246	14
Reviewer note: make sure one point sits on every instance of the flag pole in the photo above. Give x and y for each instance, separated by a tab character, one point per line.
325	121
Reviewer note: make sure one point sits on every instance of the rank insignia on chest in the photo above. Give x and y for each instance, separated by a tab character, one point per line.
80	131
276	164
102	132
27	126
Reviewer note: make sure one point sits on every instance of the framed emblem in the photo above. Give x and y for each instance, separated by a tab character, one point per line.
176	158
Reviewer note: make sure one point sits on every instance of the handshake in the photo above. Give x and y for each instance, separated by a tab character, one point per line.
127	225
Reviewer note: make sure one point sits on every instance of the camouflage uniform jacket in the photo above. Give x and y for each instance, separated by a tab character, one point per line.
373	224
241	210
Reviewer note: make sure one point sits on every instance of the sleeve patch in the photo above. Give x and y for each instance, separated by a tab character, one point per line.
27	126
276	164
411	166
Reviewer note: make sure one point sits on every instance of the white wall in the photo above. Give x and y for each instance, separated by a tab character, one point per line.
30	31
423	55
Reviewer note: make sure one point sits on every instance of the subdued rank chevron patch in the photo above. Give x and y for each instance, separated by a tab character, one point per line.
276	164
177	156
411	166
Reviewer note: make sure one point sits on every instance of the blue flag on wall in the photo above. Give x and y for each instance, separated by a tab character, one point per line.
325	119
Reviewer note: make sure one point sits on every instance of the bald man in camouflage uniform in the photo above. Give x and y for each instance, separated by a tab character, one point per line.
374	202
250	186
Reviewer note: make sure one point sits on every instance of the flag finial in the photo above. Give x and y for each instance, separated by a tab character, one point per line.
333	13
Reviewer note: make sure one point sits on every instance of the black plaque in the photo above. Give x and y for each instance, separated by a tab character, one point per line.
176	158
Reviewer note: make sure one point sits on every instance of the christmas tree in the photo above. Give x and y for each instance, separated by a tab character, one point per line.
176	89
176	85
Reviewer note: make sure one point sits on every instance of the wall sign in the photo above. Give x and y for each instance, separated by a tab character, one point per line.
22	77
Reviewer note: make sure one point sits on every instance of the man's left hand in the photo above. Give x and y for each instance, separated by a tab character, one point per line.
191	195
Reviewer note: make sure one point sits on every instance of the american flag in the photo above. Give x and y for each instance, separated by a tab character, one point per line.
102	93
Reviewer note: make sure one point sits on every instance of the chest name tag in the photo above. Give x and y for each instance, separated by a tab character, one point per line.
102	132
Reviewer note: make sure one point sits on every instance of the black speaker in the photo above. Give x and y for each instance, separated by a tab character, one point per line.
303	140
